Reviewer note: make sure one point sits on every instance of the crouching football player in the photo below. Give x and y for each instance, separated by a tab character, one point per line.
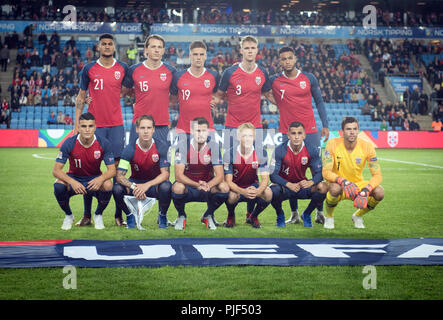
242	167
85	152
199	175
344	160
292	159
149	172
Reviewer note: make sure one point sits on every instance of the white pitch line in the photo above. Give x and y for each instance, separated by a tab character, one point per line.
413	163
35	155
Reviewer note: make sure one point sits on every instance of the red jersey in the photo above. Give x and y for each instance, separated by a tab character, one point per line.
152	88
194	96
244	169
294	100
104	85
244	94
85	161
199	165
291	167
145	165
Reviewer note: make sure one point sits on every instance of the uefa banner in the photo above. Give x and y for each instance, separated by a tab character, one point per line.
221	252
49	138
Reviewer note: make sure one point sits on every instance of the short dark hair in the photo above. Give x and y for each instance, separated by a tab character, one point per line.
155	36
144	117
296	124
285	49
347	120
106	36
86	116
201	121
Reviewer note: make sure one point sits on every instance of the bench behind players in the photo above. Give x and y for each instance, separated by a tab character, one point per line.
242	166
292	159
85	152
149	172
199	175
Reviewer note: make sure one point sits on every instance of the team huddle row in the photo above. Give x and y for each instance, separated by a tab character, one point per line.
200	172
202	175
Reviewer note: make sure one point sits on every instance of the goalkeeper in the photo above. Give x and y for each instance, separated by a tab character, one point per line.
343	163
149	173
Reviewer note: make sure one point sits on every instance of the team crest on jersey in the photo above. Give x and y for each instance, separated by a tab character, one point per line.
206	158
97	154
254	164
358	160
304	160
117	74
303	84
163	76
155	157
258	80
207	83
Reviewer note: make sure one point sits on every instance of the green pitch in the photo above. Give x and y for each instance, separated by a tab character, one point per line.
412	180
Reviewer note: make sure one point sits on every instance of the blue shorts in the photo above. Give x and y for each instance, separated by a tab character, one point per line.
195	195
161	136
152	192
116	136
84	180
283	193
244	199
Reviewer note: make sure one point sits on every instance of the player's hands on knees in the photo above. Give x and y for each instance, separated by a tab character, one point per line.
95	184
293	186
251	192
78	188
204	186
361	200
140	190
306	183
351	190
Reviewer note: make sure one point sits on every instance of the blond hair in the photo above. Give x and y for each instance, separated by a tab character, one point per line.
246	125
248	39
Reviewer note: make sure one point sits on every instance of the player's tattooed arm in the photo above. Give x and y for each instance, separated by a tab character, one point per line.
121	178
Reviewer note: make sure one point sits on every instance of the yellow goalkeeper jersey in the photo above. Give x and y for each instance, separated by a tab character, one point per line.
338	161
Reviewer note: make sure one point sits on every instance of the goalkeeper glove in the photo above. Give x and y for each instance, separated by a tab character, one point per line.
361	201
348	187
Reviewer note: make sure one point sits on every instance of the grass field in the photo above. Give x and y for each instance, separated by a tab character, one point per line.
411	208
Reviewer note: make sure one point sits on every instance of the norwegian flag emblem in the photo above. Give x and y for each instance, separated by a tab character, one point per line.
163	76
97	154
304	160
303	84
258	80
155	157
117	74
207	83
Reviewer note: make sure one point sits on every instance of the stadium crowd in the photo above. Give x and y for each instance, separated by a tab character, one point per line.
215	15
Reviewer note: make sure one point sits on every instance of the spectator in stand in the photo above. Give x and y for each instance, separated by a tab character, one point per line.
68	119
4	57
406	96
383	126
415	99
423	103
414	126
60	118
23	100
52	119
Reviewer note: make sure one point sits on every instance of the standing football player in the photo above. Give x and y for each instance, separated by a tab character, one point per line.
149	172
199	176
195	88
85	152
292	159
293	91
243	84
103	80
242	169
344	160
151	81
